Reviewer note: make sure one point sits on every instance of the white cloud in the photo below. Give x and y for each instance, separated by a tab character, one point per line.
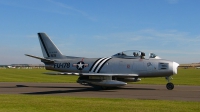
152	35
50	6
65	6
169	44
59	4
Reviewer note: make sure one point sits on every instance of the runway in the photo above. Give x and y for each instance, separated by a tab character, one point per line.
130	91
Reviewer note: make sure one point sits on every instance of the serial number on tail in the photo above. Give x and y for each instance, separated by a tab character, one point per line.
61	65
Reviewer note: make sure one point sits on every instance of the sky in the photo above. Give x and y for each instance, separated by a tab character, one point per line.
99	28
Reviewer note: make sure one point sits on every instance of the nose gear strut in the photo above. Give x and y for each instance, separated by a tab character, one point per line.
169	85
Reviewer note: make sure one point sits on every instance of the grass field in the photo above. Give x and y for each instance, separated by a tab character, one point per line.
33	75
37	103
184	77
25	103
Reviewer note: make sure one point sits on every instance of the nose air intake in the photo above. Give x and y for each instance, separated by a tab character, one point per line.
175	67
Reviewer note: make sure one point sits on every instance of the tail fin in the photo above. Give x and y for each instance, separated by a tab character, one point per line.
49	49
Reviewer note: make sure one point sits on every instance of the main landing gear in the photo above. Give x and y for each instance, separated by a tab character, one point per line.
169	85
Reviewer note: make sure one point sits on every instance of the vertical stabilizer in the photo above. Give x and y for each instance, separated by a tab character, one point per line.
49	49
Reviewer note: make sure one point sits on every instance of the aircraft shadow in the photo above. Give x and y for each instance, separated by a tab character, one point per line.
24	86
47	86
138	88
76	89
73	89
63	91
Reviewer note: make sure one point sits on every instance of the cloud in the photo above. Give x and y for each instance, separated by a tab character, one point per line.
144	39
50	6
166	35
152	35
65	6
59	4
164	42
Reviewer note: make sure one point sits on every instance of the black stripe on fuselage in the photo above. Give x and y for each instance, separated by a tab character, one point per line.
43	44
94	64
98	64
103	65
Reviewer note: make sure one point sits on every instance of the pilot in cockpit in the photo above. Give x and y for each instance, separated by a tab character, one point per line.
142	55
134	54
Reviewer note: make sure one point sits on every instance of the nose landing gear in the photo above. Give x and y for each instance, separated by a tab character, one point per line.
169	85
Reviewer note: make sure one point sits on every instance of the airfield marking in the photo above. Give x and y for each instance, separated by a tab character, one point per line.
131	91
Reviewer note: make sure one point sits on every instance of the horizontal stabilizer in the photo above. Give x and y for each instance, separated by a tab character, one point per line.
44	59
61	73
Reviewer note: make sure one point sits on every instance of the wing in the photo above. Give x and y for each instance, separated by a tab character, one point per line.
93	74
109	74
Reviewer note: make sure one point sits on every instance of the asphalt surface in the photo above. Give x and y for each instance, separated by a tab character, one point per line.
130	91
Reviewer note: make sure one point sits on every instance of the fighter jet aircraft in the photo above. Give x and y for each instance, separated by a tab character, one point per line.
105	72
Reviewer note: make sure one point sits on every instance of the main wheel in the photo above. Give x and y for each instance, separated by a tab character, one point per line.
170	86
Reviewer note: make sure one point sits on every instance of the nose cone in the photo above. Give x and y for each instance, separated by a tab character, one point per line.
175	67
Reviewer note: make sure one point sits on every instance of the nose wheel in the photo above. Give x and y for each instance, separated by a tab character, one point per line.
169	85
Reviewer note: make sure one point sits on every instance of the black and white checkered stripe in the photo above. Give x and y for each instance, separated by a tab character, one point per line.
98	64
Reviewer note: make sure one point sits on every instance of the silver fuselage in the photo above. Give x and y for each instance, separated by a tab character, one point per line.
142	67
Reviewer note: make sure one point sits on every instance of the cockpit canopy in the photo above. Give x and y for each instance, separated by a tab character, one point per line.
153	56
130	54
134	54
